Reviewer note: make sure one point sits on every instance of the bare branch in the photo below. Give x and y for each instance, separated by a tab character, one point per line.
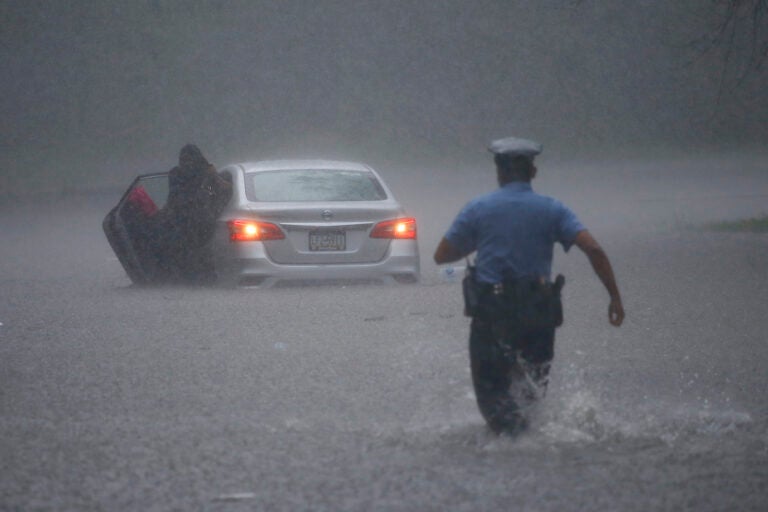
742	16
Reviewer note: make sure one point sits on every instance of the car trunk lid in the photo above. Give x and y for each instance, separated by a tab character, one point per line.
326	234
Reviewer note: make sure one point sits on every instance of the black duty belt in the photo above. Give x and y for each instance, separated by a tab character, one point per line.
527	302
512	286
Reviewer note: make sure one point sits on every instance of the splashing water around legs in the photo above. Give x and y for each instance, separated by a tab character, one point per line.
508	379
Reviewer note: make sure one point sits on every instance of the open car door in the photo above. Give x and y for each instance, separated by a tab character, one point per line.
132	226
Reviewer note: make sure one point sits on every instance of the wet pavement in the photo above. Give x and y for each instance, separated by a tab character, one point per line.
359	397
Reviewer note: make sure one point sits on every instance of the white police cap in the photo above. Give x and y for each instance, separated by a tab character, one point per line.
515	146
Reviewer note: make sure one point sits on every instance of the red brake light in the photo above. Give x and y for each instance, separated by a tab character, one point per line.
397	228
253	231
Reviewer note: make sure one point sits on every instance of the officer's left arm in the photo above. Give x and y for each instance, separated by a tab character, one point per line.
602	267
446	252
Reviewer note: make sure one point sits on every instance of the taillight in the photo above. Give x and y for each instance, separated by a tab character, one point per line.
397	228
253	231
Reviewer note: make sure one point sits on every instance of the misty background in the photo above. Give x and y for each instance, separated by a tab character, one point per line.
93	93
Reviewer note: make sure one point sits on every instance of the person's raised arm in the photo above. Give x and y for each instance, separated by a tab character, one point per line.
602	266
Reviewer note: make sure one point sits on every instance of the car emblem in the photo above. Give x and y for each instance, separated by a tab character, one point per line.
326	214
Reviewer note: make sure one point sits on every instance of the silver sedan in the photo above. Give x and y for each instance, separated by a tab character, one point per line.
294	221
313	220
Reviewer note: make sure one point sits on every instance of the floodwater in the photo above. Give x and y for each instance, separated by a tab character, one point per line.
359	397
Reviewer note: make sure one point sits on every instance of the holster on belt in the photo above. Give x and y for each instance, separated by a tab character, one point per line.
525	303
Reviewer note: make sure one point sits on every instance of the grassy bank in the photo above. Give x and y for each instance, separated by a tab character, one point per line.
753	225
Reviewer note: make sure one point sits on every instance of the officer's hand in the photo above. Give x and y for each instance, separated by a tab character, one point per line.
615	312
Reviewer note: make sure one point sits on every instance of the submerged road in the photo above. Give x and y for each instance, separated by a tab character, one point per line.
359	397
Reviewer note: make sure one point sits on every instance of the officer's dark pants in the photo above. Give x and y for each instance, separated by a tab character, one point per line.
498	354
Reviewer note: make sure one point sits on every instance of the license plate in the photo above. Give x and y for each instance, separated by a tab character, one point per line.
327	241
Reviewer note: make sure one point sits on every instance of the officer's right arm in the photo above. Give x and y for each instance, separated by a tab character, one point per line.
602	266
446	252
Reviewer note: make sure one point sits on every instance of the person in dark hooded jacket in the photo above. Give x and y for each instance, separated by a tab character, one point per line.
196	197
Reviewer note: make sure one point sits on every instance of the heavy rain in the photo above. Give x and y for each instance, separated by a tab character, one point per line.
654	121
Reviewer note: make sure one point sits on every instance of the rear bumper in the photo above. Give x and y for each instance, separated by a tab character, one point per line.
247	264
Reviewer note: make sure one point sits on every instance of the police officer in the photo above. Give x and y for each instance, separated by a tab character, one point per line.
513	231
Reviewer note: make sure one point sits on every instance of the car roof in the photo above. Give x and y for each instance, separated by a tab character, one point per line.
275	165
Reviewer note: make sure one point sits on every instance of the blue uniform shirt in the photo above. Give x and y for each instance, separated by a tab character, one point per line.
514	231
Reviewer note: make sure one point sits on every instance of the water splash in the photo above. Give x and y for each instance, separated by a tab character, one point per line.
581	416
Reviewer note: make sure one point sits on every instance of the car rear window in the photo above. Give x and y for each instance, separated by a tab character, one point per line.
313	185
